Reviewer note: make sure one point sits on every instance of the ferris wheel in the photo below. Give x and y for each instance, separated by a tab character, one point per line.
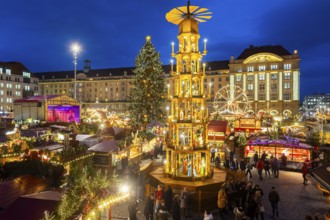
231	100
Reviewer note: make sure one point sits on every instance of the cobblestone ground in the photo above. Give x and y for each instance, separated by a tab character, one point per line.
297	200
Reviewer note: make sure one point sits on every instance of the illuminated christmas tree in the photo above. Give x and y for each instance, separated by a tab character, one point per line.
147	93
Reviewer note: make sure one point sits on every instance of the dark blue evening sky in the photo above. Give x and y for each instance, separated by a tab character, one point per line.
38	33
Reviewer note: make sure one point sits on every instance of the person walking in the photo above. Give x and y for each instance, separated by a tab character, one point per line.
267	167
132	210
274	198
304	171
260	167
255	158
275	167
249	167
222	201
149	207
176	207
242	165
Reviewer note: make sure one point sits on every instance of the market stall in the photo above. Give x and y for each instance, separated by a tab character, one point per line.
293	150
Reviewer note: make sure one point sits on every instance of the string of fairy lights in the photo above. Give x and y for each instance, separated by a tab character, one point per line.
106	203
72	161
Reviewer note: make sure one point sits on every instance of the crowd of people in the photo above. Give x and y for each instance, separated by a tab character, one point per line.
245	200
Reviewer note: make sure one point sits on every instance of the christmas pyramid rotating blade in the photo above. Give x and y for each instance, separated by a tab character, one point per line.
176	15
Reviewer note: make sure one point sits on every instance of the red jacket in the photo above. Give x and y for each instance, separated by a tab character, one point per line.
304	169
260	165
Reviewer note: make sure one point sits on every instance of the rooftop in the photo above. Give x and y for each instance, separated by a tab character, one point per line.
275	49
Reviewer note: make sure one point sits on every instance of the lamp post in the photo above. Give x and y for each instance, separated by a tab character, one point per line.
75	48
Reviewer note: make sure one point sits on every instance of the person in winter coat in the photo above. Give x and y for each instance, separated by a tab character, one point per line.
132	210
249	167
149	207
274	198
260	206
168	197
275	167
251	209
176	207
304	171
159	194
267	167
260	167
162	212
185	198
222	202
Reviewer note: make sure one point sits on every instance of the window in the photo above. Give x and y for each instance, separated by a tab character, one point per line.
287	85
9	86
239	78
261	96
273	97
219	79
287	76
261	87
274	76
1	70
250	68
274	86
101	160
287	96
17	93
239	69
8	72
261	76
27	88
262	68
227	79
18	86
26	75
250	77
287	66
250	86
273	67
1	92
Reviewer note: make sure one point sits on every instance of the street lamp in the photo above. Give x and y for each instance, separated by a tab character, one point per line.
75	48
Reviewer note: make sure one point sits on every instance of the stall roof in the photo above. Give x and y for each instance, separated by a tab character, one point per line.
47	195
82	137
10	190
322	175
28	209
52	147
106	146
155	123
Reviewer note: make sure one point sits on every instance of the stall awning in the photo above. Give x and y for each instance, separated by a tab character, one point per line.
106	146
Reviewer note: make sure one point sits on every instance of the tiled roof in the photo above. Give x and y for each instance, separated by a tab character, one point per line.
17	68
218	65
93	73
119	72
37	98
275	49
